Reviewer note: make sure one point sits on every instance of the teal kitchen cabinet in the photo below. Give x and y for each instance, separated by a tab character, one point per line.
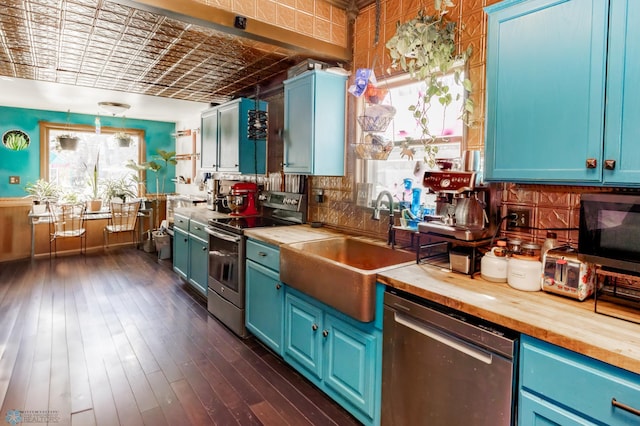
226	146
558	386
338	354
191	252
314	123
180	248
198	256
549	65
264	294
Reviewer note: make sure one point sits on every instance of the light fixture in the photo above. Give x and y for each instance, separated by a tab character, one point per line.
114	108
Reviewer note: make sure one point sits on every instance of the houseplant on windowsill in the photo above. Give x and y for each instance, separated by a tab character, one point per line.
42	192
94	203
122	187
425	47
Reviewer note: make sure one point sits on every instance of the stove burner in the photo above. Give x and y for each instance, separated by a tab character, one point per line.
237	223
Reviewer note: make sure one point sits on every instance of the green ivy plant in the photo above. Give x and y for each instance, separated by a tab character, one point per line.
425	48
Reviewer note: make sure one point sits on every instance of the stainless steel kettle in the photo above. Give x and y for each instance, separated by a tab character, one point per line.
469	211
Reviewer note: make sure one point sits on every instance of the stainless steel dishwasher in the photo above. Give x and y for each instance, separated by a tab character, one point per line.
443	368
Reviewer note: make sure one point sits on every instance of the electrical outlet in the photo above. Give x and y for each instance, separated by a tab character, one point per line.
14	180
518	218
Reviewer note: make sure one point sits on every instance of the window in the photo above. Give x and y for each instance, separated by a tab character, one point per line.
70	169
391	174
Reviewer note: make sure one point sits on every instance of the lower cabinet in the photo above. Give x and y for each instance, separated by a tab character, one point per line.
558	386
264	294
340	355
198	263
181	252
191	252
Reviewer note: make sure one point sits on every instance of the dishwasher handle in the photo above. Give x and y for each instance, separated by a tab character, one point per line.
443	338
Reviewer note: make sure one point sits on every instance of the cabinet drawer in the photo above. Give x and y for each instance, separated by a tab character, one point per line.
198	229
264	254
581	383
181	222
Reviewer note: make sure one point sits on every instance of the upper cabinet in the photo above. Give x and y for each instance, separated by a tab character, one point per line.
226	146
314	123
549	65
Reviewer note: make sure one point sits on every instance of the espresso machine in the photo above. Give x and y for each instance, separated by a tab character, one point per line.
462	221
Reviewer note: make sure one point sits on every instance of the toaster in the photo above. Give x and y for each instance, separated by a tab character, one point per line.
564	274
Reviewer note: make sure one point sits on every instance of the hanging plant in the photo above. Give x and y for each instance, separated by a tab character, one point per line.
123	139
425	48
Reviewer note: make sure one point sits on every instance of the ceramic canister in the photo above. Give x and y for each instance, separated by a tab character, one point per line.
494	268
524	274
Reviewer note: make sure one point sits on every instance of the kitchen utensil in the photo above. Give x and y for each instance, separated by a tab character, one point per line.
471	160
469	212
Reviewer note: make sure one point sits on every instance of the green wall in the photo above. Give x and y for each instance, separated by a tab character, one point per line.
26	163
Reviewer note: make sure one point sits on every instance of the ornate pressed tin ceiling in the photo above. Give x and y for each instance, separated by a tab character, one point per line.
102	44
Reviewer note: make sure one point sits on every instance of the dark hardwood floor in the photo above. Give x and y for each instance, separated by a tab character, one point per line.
118	338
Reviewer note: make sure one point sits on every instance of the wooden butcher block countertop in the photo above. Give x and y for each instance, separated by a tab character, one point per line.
562	321
559	320
278	235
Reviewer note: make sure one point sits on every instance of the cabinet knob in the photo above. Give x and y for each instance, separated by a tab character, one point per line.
205	249
609	164
262	254
314	327
278	286
185	240
592	163
325	333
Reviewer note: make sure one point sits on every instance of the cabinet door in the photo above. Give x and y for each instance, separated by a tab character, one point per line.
299	122
350	366
623	87
535	411
265	305
198	263
180	252
545	90
303	335
209	140
229	134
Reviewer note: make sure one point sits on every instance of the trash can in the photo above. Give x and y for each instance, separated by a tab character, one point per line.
163	244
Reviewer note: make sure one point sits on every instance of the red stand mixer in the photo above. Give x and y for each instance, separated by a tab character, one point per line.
242	199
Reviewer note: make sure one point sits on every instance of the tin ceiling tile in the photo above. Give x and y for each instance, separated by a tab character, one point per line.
99	43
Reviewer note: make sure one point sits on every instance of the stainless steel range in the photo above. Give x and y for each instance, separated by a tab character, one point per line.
226	292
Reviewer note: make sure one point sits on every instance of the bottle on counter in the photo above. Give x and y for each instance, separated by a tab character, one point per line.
550	242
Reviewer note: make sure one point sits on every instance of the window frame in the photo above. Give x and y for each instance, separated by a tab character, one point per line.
363	165
46	127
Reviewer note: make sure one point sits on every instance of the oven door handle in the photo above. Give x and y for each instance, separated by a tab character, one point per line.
225	237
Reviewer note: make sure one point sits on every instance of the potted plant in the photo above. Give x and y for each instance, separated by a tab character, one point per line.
94	203
425	47
42	192
123	139
122	187
68	141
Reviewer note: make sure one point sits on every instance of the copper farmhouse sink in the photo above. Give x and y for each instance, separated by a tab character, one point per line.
340	272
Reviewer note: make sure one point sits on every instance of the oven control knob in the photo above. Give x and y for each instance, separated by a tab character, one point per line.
445	183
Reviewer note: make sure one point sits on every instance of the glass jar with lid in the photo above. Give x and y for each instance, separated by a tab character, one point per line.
530	249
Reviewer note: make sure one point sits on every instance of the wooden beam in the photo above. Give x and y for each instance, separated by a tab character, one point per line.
223	20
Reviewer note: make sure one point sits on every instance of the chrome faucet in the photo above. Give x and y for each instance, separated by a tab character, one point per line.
376	212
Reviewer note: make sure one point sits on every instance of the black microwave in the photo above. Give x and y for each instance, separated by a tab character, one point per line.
610	231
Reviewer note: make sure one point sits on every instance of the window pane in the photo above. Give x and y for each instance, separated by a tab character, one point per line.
390	174
71	169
